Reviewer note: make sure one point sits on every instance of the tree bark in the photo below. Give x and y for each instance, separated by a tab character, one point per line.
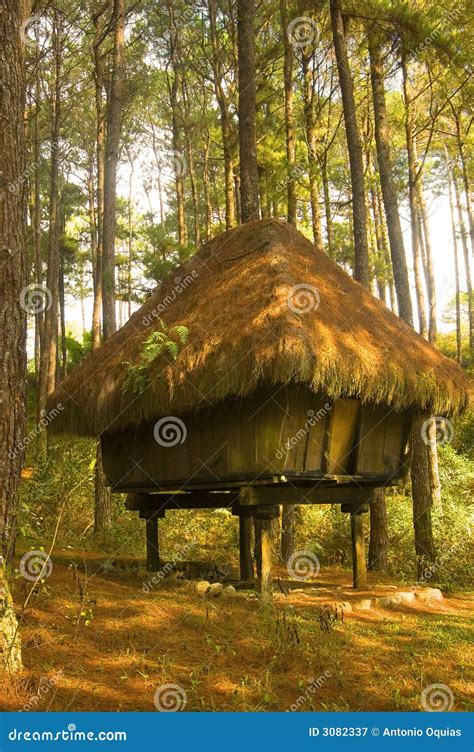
456	268
288	519
225	119
100	158
13	280
361	266
465	175
425	243
378	544
249	198
289	116
50	302
415	228
467	268
310	132
423	485
112	144
389	194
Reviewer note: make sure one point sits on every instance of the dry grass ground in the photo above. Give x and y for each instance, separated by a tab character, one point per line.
101	643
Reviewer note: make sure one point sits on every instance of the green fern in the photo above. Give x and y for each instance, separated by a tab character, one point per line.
159	342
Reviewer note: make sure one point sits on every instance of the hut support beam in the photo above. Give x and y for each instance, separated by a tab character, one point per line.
152	545
359	568
246	563
264	548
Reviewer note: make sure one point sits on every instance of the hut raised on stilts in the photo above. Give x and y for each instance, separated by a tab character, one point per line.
259	374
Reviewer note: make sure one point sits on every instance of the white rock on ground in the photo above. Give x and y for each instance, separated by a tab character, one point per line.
364	605
202	587
429	594
215	589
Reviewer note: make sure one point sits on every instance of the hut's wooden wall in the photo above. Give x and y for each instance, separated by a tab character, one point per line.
275	431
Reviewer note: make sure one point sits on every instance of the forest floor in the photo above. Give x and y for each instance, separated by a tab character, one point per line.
99	642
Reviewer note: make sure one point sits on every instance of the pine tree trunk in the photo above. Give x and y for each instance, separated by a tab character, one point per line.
190	168
36	222
50	302
225	118
102	497
288	519
327	206
205	182
310	132
249	197
423	486
389	194
100	157
96	270
13	213
289	116
361	267
456	268
378	544
425	243
112	144
465	176
415	229
467	267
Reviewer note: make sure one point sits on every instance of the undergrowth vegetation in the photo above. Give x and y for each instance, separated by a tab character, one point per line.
57	503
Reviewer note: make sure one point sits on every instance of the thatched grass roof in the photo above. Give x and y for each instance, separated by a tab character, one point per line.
261	304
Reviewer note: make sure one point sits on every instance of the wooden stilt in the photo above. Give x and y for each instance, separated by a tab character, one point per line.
359	568
246	563
265	555
152	545
257	524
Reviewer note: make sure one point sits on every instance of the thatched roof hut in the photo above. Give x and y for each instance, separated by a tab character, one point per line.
293	385
261	305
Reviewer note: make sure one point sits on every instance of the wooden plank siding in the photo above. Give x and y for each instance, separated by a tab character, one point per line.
274	432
